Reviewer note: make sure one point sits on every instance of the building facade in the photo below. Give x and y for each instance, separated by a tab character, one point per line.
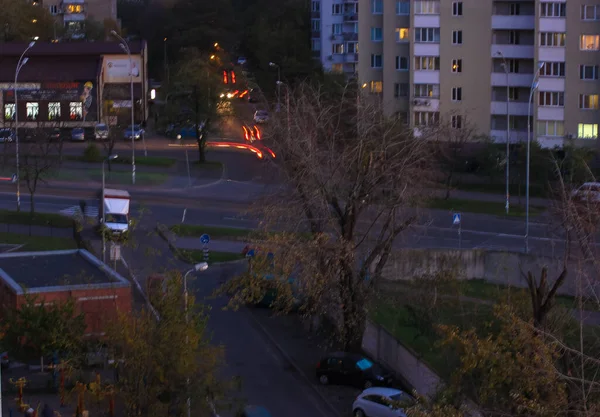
475	62
75	84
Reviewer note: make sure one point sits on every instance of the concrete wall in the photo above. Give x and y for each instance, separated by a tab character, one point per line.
495	266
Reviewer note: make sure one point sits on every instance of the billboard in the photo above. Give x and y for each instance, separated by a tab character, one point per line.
116	69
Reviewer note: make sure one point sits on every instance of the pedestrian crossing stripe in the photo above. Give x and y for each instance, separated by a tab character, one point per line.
72	211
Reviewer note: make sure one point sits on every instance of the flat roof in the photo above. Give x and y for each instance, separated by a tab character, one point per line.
52	271
45	68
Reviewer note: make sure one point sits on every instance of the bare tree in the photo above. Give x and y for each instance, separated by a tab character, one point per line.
353	178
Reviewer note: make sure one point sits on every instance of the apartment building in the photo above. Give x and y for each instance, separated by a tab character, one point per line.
479	62
71	14
334	26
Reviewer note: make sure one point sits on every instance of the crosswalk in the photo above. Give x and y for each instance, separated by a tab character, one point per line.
90	211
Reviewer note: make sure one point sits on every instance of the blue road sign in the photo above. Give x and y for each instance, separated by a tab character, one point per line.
456	218
250	253
13	178
205	238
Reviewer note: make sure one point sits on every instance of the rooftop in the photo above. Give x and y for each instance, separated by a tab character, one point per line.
61	68
36	272
69	48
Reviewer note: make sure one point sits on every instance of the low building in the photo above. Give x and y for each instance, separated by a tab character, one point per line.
75	84
56	276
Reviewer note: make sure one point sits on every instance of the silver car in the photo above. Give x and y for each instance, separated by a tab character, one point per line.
381	402
101	131
261	116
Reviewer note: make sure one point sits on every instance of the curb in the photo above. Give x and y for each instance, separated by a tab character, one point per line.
299	370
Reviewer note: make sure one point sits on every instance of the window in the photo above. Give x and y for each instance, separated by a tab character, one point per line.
352	47
376	87
9	111
400	90
75	8
456	121
588	72
552	39
457	8
336	9
426	90
33	110
377	6
315	25
376	61
316	6
513	66
427	63
550	128
588	101
75	110
336	29
513	94
551	99
315	44
402	34
553	69
587	131
402	63
429	35
53	111
515	9
402	7
456	93
427	7
589	12
589	42
457	37
376	34
553	9
457	65
337	48
514	37
53	9
426	118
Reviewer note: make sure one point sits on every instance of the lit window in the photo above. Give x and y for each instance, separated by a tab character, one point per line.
427	90
587	131
376	61
456	121
53	111
551	99
457	8
74	8
589	42
590	12
550	128
9	111
456	93
402	7
75	111
588	72
32	110
457	65
552	39
588	101
376	34
402	35
376	87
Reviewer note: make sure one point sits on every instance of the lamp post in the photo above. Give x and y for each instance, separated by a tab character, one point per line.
110	158
505	65
200	267
125	47
534	86
22	61
274	65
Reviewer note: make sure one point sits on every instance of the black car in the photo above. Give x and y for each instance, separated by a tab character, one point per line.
55	134
344	368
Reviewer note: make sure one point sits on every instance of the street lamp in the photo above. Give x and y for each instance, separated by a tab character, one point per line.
274	65
200	267
534	86
109	158
20	63
505	65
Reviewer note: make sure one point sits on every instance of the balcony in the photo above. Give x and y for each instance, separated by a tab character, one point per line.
350	36
512	51
351	58
515	108
350	17
514	80
516	136
513	22
426	77
425	104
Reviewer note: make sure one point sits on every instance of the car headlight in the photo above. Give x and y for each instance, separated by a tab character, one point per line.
229	95
222	95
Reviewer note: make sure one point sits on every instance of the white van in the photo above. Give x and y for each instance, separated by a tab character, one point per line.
101	131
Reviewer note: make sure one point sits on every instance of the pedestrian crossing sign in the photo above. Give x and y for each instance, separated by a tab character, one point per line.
456	218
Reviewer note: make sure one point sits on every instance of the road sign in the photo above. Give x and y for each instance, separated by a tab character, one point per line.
456	218
13	179
205	238
250	253
115	252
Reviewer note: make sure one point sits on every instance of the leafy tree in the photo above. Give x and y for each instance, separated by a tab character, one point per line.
166	360
37	329
21	21
351	185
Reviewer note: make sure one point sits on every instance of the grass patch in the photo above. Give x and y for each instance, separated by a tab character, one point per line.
535	190
38	243
195	256
156	161
35	219
483	207
196	230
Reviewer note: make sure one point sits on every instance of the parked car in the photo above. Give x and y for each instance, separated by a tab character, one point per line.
55	134
7	135
344	368
254	411
101	131
261	116
137	131
381	402
588	192
78	134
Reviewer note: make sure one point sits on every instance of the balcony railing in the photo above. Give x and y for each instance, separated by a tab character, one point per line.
350	36
522	22
350	17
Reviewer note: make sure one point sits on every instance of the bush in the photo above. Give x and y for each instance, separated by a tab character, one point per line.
92	153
